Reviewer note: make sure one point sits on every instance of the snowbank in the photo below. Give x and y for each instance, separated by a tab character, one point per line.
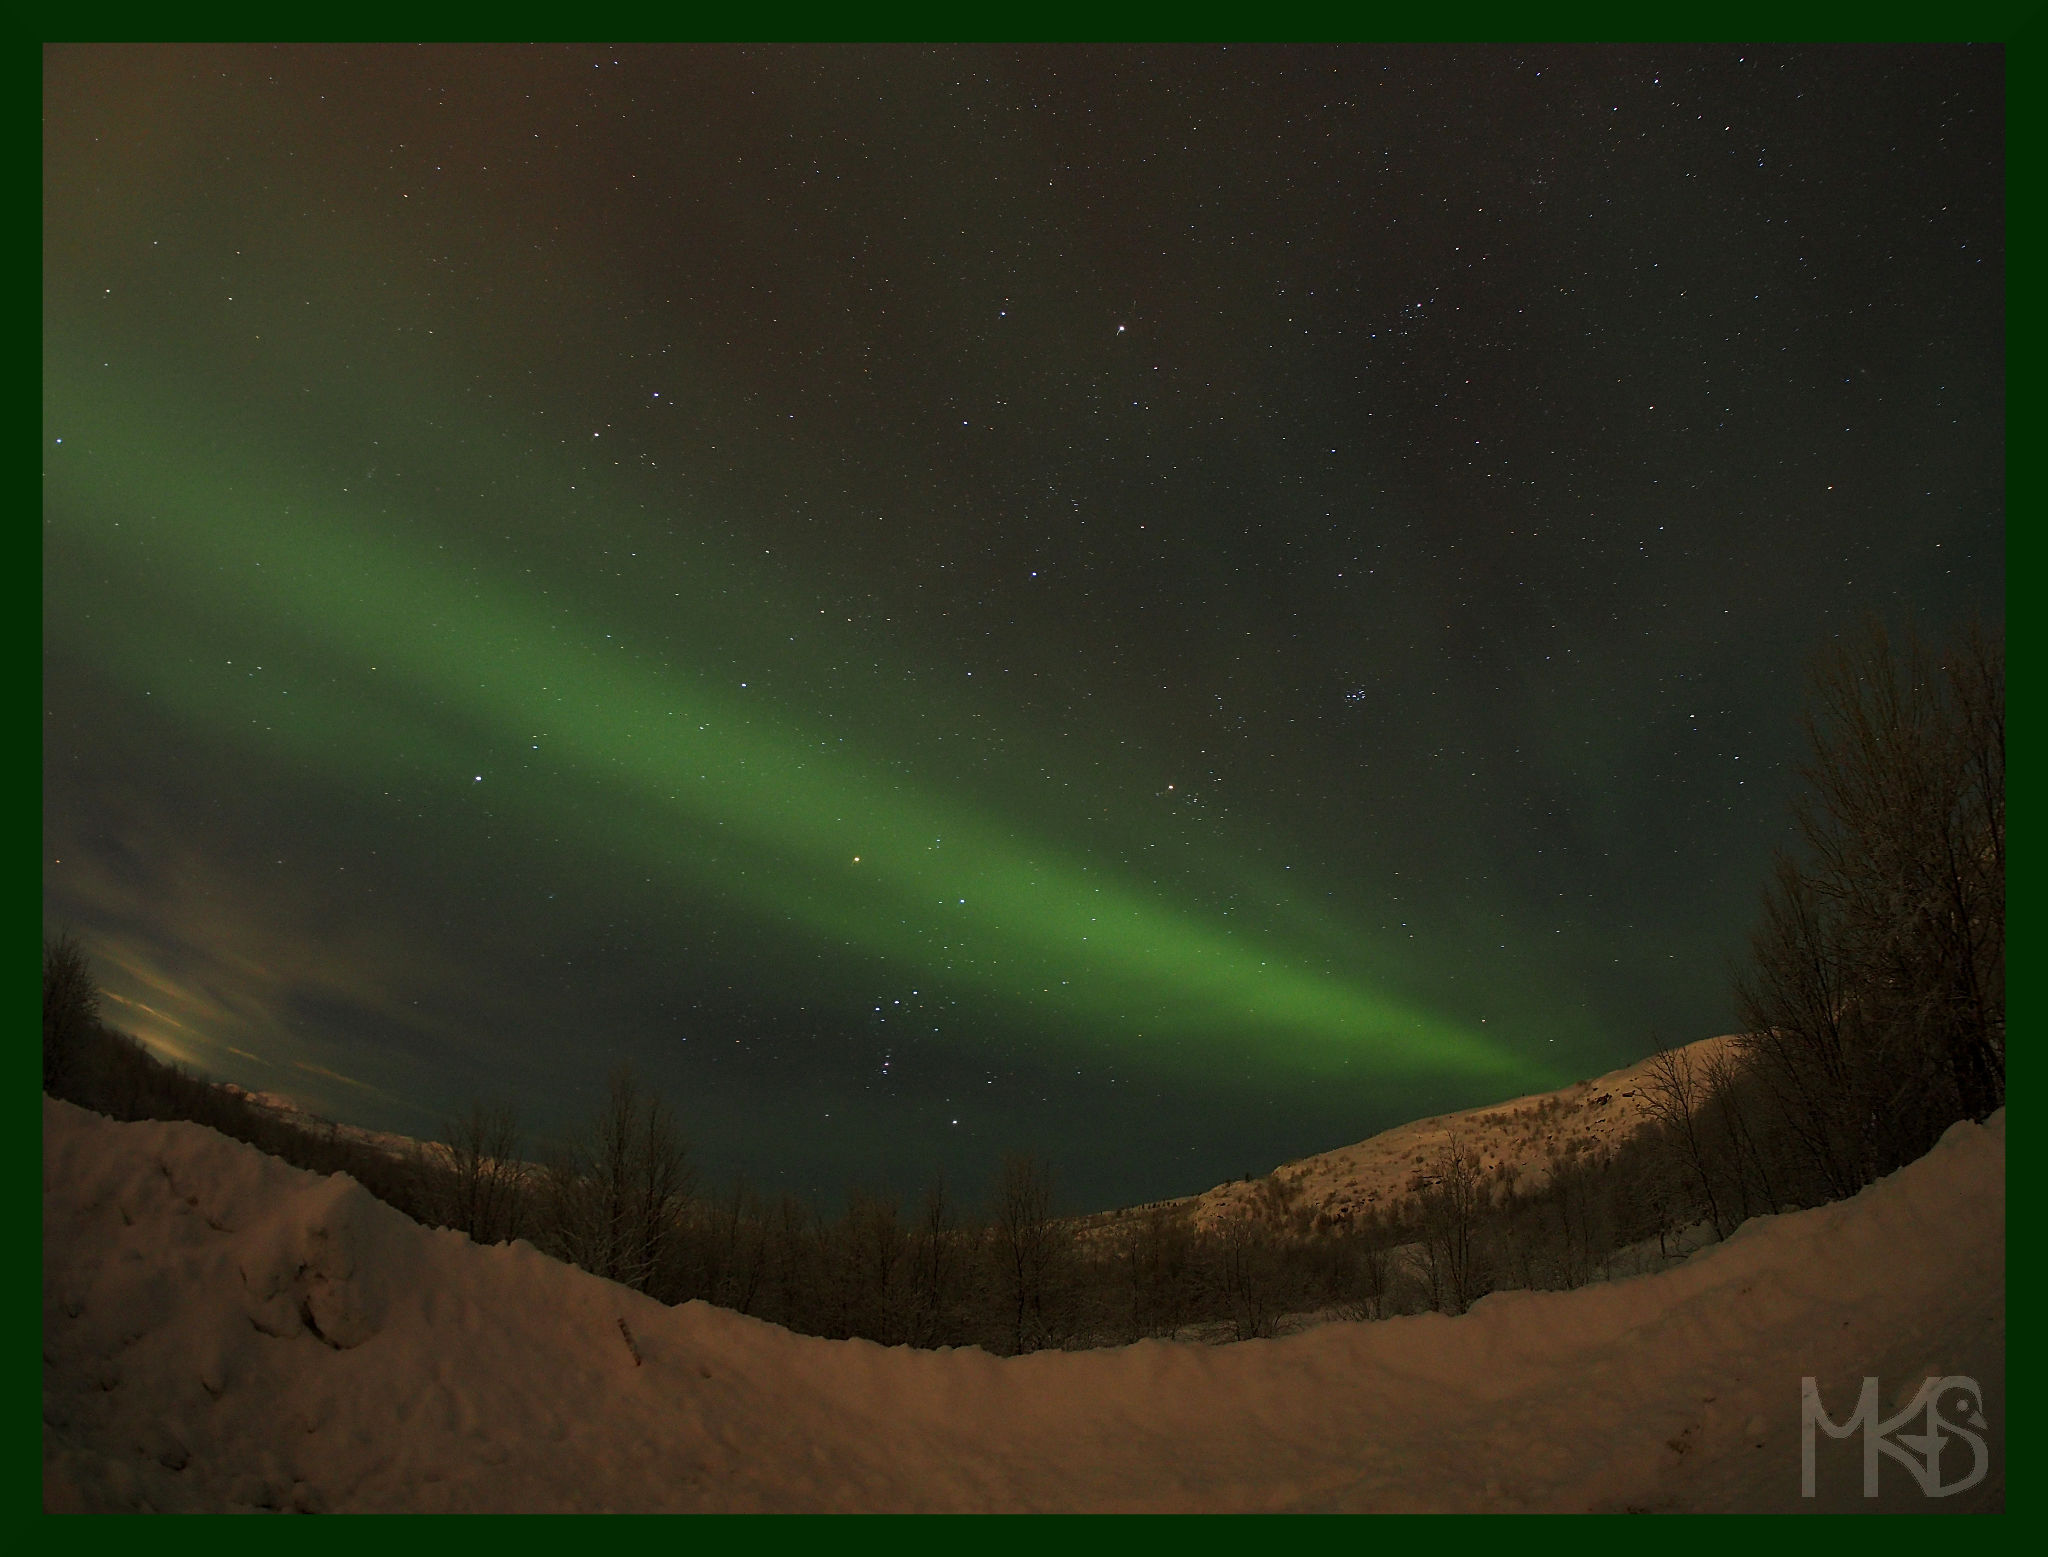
223	1330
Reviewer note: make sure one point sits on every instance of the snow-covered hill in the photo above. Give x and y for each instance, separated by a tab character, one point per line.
1515	1142
289	1112
221	1330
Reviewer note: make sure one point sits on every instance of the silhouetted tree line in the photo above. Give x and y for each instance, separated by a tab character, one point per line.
1874	1012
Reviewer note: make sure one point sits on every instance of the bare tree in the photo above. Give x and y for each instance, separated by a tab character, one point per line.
1246	1274
735	1250
1371	1271
872	1249
1027	1245
1572	1196
615	1195
794	1258
1520	1229
937	1258
1154	1255
1452	1203
1875	1000
487	1181
1905	820
1727	1086
1795	1006
71	1012
1676	1091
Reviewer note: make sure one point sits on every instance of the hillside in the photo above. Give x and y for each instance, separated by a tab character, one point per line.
288	1112
1515	1140
222	1331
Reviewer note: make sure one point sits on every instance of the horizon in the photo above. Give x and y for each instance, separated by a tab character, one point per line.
534	1149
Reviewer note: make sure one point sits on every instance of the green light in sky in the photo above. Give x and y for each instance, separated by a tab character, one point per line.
385	645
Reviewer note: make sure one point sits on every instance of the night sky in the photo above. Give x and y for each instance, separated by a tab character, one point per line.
1170	608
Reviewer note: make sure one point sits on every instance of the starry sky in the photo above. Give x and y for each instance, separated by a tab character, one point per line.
1165	607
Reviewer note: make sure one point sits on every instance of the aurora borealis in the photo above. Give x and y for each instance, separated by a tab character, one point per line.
1170	608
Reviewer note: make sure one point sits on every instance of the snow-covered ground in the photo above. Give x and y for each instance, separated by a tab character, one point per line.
222	1330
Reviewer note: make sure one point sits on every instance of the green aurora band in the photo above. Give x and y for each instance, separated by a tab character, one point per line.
387	649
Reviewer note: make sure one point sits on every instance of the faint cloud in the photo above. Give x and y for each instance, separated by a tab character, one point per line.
207	959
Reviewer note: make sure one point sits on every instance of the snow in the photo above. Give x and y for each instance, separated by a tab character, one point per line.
1515	1142
222	1331
290	1111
